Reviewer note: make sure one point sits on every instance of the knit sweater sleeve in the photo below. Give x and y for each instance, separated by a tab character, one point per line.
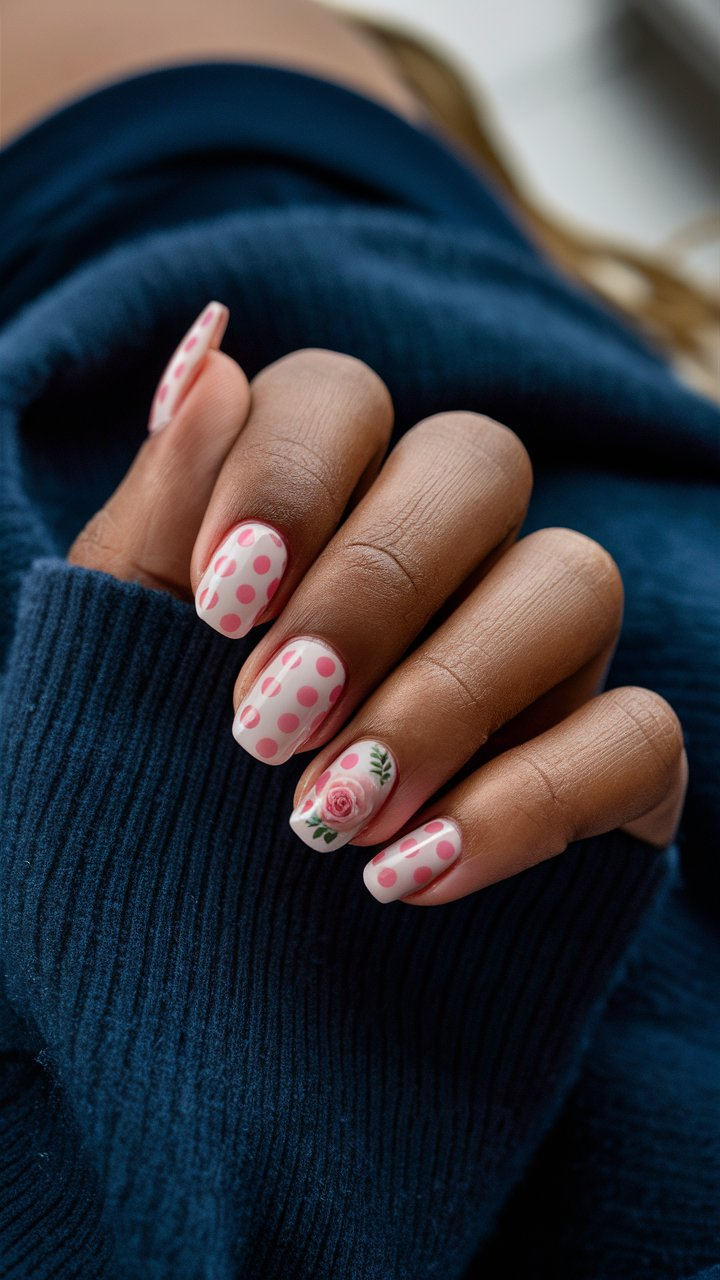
250	1061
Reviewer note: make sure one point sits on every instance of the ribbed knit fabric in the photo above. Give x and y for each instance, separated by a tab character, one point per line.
220	1057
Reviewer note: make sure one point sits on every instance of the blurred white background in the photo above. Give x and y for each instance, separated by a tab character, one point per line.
613	123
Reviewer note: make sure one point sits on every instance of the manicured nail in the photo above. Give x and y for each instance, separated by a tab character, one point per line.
413	860
241	579
289	700
345	796
206	333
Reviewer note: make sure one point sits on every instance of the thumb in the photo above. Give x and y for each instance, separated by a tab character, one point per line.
146	530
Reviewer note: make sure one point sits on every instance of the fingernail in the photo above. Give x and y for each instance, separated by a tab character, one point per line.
346	796
289	700
241	579
184	366
413	860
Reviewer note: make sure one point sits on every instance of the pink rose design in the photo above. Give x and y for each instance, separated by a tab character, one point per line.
346	803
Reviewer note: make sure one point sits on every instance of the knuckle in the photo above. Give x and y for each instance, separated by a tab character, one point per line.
455	689
483	445
591	564
309	471
350	376
390	573
543	799
99	541
648	716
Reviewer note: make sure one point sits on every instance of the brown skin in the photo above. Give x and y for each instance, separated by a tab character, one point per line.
53	52
510	675
520	632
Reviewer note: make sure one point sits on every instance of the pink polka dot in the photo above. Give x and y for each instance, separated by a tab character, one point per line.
163	392
307	805
379	856
421	875
445	850
249	717
266	747
246	537
230	622
224	566
273	588
290	658
288	722
336	693
270	687
307	696
180	369
210	316
349	761
245	594
278	541
324	777
208	601
432	827
325	666
191	342
408	844
261	564
387	877
317	721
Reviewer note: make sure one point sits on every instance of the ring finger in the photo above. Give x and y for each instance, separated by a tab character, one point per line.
546	610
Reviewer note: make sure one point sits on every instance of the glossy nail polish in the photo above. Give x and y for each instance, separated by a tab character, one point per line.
413	861
289	700
346	796
241	579
206	333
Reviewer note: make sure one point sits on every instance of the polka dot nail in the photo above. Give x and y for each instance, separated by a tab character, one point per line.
241	579
206	333
413	861
289	700
346	796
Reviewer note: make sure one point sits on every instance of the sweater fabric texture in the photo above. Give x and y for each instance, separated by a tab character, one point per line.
219	1056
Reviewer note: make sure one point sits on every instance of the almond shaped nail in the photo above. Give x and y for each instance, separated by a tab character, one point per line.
413	861
289	700
242	578
180	373
346	796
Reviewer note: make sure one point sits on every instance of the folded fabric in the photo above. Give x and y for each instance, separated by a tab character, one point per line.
220	1057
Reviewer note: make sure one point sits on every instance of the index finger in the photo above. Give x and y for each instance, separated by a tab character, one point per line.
319	422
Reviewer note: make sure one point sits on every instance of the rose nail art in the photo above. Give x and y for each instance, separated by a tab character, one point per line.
346	795
241	579
289	700
413	860
206	333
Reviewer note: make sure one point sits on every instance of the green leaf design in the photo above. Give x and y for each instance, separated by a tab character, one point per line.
321	831
381	765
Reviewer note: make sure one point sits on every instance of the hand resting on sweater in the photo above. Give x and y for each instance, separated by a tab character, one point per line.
447	673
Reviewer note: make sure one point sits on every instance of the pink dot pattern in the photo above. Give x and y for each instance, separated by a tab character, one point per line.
288	700
233	593
346	796
205	334
413	861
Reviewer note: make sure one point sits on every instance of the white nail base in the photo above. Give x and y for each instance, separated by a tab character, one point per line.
413	861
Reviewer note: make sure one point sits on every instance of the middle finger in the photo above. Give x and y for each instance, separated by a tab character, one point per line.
454	490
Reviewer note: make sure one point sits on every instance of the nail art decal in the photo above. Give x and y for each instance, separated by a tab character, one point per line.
413	860
241	579
289	700
206	333
345	796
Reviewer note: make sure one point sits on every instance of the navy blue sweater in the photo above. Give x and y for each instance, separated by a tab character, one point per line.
219	1057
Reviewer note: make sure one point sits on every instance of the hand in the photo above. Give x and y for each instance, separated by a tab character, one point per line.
415	642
